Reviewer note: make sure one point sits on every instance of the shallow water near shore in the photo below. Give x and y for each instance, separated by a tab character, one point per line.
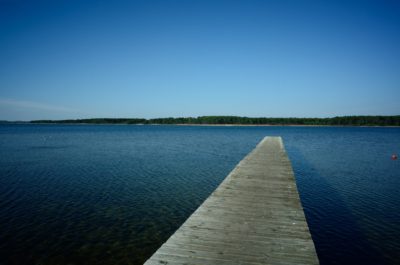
88	194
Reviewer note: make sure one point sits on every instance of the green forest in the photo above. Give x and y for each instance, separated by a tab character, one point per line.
236	120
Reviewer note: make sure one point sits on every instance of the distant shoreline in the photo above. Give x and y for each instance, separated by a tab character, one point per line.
357	121
203	125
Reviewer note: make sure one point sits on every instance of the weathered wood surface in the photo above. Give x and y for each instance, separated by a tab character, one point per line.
254	217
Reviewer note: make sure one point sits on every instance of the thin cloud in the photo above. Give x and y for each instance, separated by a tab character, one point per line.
34	105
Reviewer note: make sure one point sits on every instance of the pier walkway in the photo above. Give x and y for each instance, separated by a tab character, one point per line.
254	217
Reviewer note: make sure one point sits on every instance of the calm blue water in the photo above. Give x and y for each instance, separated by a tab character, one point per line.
77	194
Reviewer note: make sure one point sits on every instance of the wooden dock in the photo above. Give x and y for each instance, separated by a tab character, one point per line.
254	217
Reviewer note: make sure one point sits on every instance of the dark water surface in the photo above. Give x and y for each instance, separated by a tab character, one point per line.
113	194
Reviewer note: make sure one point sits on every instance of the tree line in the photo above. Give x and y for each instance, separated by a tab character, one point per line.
237	120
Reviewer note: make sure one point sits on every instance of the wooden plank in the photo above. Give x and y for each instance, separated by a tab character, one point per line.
254	217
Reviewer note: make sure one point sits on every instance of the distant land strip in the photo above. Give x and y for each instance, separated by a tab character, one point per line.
236	120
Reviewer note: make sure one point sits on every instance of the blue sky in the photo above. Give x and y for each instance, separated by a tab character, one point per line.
80	59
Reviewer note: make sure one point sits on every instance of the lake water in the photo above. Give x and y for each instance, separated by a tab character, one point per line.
80	194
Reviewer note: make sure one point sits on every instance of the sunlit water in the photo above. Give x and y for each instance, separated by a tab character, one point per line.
113	194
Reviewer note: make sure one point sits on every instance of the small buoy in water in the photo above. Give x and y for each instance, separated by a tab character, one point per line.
394	157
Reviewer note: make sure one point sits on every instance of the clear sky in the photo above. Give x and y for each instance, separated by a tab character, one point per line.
79	59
